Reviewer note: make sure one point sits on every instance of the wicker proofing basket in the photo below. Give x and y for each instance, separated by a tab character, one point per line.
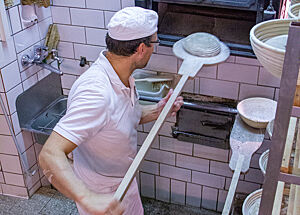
295	2
257	112
293	11
252	202
270	57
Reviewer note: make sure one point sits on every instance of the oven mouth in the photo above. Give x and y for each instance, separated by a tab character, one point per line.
204	120
206	125
229	20
231	26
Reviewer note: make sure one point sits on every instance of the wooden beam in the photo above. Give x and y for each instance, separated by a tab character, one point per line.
294	198
284	165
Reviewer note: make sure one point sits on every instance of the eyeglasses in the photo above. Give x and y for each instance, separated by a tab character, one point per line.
156	42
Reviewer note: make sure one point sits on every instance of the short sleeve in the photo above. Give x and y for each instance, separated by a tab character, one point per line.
86	113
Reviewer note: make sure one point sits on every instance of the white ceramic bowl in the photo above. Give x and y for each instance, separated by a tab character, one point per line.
252	202
293	11
257	112
270	55
263	161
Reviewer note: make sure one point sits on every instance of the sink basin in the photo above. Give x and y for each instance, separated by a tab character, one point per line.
40	107
46	121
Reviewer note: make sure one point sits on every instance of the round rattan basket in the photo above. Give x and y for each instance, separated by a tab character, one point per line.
295	2
270	56
293	11
252	202
257	112
263	161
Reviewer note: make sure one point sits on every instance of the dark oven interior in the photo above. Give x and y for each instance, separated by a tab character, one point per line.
205	120
229	20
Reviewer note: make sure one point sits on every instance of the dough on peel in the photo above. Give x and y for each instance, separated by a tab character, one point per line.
202	44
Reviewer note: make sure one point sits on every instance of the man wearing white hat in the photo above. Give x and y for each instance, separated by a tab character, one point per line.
100	125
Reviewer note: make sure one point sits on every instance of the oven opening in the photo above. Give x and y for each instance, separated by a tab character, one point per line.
205	120
231	26
229	20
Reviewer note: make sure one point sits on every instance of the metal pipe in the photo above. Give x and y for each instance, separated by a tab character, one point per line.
50	68
193	106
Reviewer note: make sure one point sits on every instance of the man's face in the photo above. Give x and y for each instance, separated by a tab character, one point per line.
148	52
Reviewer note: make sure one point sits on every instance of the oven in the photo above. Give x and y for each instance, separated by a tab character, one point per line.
229	20
204	120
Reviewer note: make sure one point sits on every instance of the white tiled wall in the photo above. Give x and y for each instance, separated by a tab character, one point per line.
14	80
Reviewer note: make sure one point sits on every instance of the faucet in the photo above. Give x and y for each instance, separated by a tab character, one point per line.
55	56
40	53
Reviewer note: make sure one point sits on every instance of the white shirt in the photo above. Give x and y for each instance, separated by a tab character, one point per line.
101	119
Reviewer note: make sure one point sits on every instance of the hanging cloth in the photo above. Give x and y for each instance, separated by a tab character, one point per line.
27	2
52	39
9	3
40	3
43	3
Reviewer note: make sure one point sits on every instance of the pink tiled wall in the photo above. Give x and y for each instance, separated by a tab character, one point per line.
174	171
14	80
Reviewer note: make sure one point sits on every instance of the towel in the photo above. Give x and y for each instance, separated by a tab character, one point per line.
9	3
40	3
43	3
52	39
27	2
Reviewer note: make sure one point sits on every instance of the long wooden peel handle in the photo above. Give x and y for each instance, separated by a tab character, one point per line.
130	174
232	188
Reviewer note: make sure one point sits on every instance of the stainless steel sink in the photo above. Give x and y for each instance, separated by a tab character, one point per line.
46	121
40	107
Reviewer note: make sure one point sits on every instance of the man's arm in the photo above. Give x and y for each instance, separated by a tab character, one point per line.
53	160
151	112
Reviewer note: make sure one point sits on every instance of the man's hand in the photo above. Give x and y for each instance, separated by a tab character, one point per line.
176	106
101	204
53	160
151	112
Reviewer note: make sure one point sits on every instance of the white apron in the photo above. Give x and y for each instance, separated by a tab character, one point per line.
131	202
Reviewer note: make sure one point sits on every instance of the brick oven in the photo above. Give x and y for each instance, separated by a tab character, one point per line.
229	20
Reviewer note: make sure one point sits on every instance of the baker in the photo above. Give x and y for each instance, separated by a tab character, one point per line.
100	125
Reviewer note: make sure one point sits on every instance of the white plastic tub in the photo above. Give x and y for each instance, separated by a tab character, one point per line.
152	85
263	161
252	202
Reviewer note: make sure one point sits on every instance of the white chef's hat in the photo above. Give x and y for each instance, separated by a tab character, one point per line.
132	23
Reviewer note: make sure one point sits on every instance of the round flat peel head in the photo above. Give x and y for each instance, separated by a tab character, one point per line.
209	49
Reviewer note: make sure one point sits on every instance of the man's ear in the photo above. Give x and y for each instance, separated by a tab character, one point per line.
141	49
